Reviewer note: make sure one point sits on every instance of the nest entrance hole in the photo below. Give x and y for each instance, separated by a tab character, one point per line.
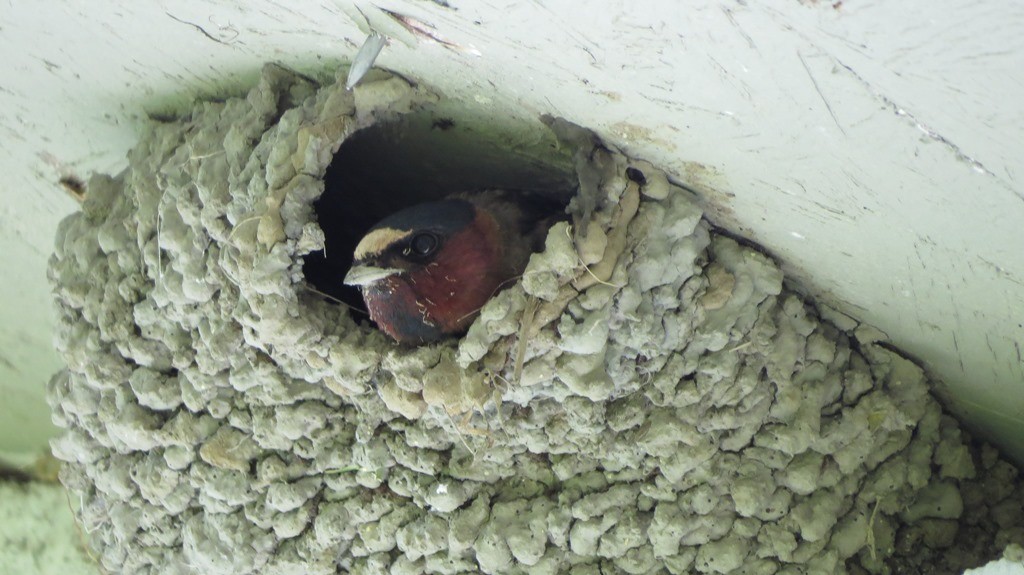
418	157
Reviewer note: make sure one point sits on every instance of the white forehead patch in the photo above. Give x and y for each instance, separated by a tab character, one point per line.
375	242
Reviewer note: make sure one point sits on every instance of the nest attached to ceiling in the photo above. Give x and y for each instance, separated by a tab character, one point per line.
649	398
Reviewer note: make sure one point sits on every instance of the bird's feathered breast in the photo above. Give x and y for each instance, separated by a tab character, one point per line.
523	219
464	275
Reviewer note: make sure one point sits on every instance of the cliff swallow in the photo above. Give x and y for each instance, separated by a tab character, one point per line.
426	271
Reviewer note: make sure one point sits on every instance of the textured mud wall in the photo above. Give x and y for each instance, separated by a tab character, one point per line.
650	398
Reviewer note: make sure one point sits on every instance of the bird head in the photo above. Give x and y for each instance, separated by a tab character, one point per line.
425	271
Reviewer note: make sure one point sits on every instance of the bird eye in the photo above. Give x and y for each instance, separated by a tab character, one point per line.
423	244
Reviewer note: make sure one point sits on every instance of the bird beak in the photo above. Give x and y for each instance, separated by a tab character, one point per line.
368	275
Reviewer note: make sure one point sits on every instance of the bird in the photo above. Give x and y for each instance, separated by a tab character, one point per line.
426	270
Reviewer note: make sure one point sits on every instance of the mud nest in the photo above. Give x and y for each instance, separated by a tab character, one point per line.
651	397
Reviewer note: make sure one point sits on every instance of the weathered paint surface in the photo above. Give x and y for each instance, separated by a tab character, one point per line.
873	147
